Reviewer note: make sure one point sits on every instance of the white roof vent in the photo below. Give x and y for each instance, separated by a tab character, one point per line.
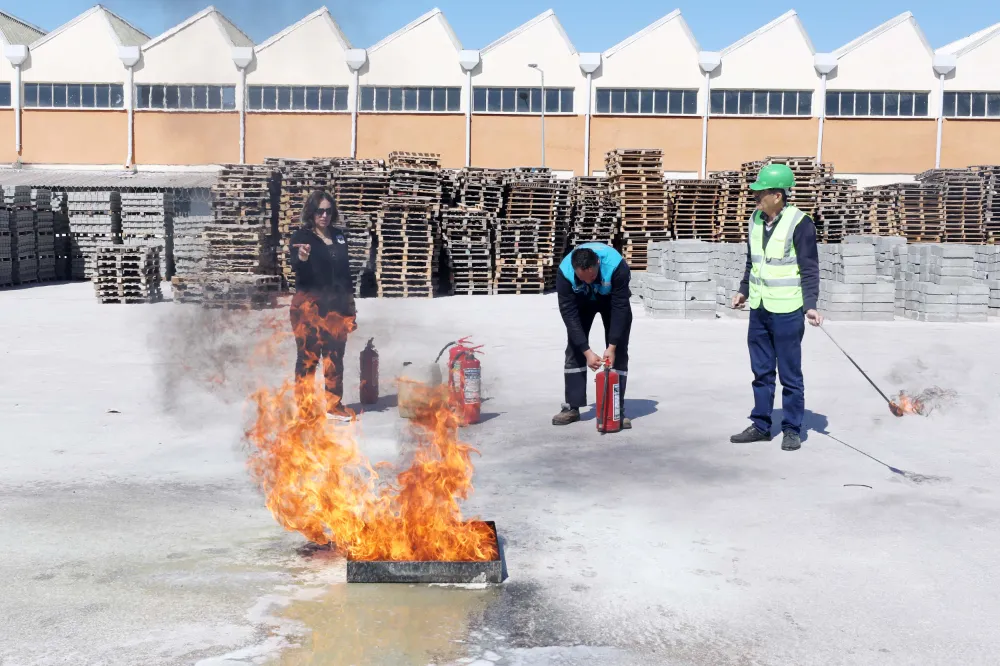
356	58
945	63
242	56
825	62
589	62
129	55
709	61
16	53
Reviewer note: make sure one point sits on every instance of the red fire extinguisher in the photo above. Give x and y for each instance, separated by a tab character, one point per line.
465	380
369	374
609	410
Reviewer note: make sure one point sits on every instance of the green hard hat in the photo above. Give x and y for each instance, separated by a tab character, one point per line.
774	177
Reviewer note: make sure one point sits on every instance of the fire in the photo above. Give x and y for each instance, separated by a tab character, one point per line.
908	405
316	480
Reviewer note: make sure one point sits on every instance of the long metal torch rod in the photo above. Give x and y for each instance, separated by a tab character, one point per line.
863	373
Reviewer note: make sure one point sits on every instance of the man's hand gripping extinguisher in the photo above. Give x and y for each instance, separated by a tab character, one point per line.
609	410
465	380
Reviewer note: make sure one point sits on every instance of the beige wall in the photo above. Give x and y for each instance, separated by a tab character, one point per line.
380	134
7	151
74	137
679	138
733	141
301	135
186	138
970	143
509	141
879	146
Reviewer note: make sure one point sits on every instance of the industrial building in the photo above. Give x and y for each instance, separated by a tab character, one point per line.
98	91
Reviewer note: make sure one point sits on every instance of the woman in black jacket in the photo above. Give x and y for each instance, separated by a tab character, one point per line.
322	311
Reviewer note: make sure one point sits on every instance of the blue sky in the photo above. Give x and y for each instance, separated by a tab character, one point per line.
593	25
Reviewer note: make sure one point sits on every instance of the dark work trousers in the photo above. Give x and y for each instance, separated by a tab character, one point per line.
775	340
313	343
576	363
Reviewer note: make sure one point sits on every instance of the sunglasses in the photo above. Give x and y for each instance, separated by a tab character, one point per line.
324	212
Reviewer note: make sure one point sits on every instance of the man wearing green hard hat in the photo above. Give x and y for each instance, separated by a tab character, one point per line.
781	284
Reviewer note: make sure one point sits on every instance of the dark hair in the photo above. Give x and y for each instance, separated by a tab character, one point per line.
584	258
312	204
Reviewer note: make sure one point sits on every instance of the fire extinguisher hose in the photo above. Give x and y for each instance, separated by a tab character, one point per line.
604	405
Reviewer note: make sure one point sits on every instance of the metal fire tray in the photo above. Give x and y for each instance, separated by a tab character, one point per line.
489	571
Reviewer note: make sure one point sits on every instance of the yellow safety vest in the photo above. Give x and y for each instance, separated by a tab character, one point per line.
774	270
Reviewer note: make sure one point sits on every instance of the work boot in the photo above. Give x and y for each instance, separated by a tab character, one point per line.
791	441
566	416
626	423
750	435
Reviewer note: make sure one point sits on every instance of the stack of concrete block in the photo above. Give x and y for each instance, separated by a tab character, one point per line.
988	272
729	268
886	253
851	288
637	285
680	280
941	286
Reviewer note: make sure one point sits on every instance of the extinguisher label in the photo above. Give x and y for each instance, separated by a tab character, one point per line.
616	402
471	386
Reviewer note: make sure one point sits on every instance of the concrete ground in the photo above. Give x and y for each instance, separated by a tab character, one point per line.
132	535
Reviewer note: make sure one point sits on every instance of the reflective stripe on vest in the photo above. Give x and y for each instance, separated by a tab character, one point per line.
774	274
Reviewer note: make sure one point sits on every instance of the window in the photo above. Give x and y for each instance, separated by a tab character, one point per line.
643	101
5	94
297	98
417	99
847	104
72	95
972	105
199	98
761	102
522	100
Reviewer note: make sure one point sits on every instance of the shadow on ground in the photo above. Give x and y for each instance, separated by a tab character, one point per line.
811	422
634	409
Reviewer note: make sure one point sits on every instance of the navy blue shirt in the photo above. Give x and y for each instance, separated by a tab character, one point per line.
807	254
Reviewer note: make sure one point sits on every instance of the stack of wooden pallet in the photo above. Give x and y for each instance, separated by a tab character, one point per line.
524	250
94	222
63	238
405	160
298	179
482	188
239	244
637	184
405	251
840	211
595	212
990	175
545	200
468	245
127	274
732	215
962	203
919	213
360	188
694	208
420	186
810	178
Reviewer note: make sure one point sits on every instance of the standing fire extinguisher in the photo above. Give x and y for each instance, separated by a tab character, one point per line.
609	410
369	374
465	381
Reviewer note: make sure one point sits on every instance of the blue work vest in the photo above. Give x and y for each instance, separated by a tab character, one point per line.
609	261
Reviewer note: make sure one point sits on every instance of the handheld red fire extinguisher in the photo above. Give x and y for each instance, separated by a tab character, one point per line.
465	381
369	374
609	410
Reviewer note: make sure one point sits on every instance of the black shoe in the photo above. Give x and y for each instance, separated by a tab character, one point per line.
566	416
791	442
750	435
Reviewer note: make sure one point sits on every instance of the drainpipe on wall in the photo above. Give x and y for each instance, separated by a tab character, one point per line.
469	60
129	55
709	61
943	66
589	63
17	54
356	59
824	63
242	57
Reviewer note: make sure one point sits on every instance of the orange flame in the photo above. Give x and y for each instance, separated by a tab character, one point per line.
317	481
907	405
